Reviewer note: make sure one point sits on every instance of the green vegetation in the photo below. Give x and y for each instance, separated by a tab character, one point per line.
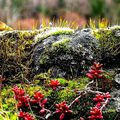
7	115
109	40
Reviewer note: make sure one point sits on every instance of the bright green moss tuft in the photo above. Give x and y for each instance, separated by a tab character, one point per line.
66	94
61	42
70	86
53	31
62	81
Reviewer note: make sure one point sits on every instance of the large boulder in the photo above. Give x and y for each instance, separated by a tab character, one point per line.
65	54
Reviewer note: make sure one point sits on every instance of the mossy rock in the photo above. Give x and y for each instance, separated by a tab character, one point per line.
15	52
64	51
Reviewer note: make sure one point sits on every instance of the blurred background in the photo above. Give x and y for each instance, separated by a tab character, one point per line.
24	14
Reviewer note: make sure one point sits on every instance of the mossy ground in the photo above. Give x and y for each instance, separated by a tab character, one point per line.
68	91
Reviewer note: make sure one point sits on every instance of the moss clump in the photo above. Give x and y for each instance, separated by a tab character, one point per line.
59	46
56	50
42	76
109	44
53	31
8	101
71	87
61	42
44	59
16	48
109	41
8	115
66	95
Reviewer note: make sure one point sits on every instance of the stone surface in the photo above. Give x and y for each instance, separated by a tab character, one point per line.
116	97
64	53
117	78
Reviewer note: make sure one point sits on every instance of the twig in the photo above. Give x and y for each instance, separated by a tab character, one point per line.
104	104
86	87
85	91
82	93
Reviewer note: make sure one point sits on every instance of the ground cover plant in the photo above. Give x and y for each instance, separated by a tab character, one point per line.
60	99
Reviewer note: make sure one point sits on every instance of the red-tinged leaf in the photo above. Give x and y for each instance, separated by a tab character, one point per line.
89	75
81	118
107	95
42	111
62	116
92	71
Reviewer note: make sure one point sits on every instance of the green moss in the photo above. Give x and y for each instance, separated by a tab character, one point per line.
44	58
25	34
49	54
16	47
108	40
61	42
42	76
66	94
69	88
62	81
31	89
8	101
53	31
8	115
